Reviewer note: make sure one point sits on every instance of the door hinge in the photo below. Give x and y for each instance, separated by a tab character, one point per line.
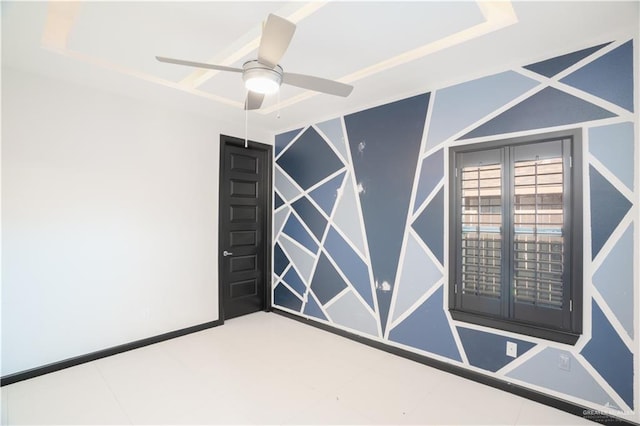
570	161
570	305
455	289
456	170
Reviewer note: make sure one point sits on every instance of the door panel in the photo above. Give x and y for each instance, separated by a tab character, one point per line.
243	238
243	214
245	188
243	263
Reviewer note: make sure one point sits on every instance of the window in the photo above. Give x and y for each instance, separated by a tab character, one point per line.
516	235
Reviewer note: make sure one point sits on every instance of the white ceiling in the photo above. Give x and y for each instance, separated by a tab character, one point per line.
387	50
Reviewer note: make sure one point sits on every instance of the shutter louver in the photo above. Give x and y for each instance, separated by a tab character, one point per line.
538	216
481	242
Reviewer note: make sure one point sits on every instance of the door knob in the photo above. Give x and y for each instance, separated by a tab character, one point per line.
227	253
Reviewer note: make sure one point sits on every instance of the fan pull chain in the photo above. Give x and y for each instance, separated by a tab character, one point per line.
246	127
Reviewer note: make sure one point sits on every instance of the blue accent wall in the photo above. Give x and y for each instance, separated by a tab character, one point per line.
546	109
296	230
430	225
488	350
609	355
427	328
280	261
431	173
326	195
283	139
553	66
370	222
608	207
384	143
284	297
311	216
352	265
309	159
609	77
326	283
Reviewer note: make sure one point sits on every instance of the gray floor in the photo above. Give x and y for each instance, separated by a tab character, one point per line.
264	369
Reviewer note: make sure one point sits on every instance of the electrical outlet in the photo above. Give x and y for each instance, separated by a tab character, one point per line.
512	349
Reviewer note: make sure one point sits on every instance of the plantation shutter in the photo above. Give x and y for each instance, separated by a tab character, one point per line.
480	224
540	190
515	236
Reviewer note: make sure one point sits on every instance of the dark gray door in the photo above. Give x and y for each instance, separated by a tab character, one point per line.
245	225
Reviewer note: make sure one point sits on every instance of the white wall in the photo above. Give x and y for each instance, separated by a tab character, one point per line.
109	220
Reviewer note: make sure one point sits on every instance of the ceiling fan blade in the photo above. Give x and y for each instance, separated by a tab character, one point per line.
276	36
197	64
253	101
317	84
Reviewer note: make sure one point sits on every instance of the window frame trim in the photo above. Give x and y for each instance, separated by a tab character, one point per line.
576	238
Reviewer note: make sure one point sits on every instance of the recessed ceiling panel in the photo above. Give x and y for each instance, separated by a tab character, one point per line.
228	85
130	34
343	37
110	46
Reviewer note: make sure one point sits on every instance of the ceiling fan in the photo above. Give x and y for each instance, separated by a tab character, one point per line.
263	75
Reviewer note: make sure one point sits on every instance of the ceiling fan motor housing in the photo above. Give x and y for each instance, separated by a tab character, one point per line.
260	78
263	76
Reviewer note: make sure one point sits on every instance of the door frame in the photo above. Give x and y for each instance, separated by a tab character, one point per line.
226	141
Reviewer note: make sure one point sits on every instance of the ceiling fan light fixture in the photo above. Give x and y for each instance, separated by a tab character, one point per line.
260	79
262	75
261	84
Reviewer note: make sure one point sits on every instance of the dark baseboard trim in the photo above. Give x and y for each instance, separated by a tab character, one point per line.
569	407
81	359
